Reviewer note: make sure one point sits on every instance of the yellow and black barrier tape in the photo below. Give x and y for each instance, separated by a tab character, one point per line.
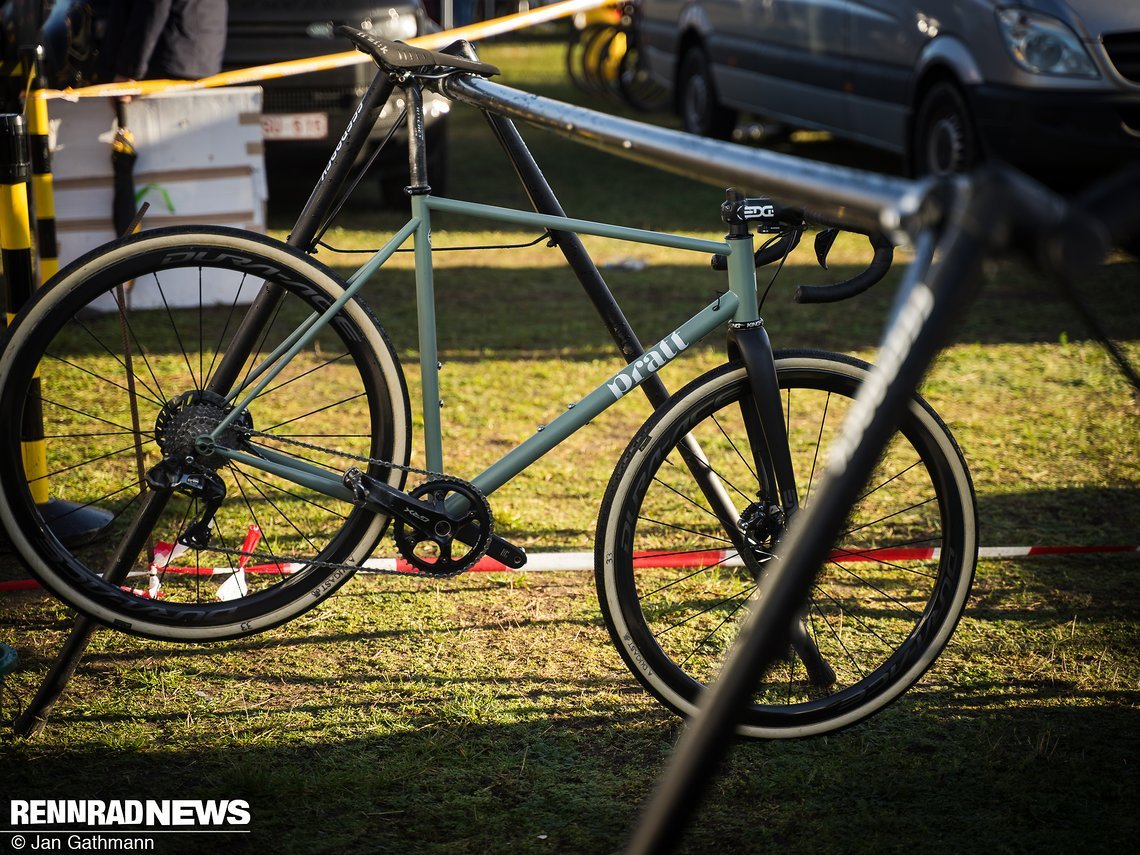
15	228
431	41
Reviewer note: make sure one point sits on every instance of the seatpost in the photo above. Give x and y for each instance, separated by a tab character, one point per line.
417	144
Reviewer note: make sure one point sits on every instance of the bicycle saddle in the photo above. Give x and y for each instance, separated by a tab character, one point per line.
394	56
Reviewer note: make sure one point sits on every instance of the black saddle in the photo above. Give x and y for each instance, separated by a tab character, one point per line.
396	56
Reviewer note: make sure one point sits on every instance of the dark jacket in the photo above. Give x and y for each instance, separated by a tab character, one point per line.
157	39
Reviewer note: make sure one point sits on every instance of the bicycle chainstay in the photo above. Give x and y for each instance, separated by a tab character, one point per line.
359	458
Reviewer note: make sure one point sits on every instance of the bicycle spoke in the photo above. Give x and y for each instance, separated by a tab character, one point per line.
226	327
174	329
743	459
327	362
155	395
311	413
686	530
288	493
56	472
886	517
818	446
712	632
106	380
696	572
746	593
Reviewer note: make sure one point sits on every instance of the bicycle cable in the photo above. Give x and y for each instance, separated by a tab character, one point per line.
327	222
545	236
779	267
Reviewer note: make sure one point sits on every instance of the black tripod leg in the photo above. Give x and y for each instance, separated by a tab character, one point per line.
545	202
35	716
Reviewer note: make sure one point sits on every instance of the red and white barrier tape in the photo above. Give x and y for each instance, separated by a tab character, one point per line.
548	562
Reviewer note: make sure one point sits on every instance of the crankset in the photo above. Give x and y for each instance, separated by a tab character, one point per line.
437	549
433	539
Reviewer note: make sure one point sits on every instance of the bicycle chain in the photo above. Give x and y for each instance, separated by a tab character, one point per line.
359	458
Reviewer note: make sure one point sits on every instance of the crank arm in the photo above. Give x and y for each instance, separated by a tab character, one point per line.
505	553
378	496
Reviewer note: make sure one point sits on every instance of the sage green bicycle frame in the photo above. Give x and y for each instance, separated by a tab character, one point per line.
738	305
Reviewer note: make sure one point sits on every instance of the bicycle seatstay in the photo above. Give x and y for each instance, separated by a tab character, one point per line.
270	367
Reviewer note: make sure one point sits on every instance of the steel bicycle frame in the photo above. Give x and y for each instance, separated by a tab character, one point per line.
737	308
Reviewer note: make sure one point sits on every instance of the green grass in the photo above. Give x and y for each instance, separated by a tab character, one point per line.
490	713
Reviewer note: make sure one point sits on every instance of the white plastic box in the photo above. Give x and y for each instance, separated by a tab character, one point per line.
200	161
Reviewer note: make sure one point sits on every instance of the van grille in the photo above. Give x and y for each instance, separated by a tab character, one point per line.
298	100
1124	51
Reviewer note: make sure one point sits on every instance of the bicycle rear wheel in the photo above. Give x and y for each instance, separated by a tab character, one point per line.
673	588
121	389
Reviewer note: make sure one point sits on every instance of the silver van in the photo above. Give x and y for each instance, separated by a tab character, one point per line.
1052	86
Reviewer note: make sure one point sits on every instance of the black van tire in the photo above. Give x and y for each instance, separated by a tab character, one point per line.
944	140
697	103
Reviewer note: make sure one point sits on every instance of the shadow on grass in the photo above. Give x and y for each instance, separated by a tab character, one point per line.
366	741
936	772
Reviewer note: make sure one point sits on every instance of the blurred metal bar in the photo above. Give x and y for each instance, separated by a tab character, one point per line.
847	197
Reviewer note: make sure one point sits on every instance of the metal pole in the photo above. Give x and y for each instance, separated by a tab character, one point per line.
846	197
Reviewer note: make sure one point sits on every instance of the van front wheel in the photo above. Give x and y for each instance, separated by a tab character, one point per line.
944	141
697	103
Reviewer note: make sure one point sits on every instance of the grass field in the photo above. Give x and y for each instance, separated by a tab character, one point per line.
489	713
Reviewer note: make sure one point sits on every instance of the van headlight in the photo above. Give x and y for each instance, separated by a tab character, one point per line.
1044	45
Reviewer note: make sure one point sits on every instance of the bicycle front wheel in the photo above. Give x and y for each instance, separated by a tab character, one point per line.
673	588
118	359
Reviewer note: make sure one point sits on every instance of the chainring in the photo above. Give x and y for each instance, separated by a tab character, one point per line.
432	551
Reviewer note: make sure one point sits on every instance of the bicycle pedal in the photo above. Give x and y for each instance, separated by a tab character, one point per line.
506	553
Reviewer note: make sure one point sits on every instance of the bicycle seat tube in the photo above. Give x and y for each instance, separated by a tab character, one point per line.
418	189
